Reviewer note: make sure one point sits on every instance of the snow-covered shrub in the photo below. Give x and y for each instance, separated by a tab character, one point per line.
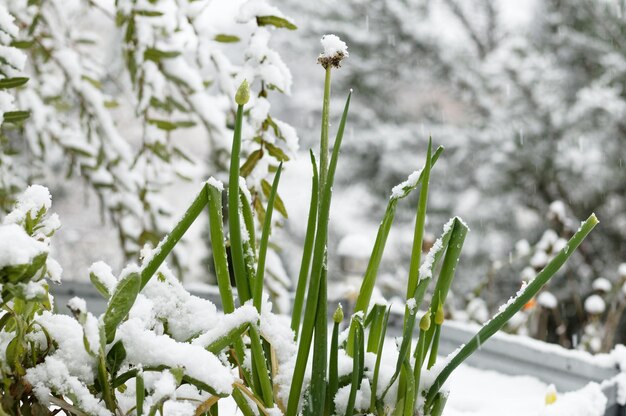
159	349
113	86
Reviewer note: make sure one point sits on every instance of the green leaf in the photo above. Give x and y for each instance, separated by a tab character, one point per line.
278	204
228	339
162	124
185	124
275	21
148	13
155	55
251	162
267	226
115	357
16	117
226	38
22	44
99	285
178	374
92	81
120	303
276	151
12	82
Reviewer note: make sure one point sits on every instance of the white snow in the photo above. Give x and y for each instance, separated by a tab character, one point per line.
104	274
557	208
146	348
547	300
17	247
333	46
602	284
402	189
355	245
31	202
77	304
215	184
426	269
594	305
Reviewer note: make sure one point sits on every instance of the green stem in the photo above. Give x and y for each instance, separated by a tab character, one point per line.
267	226
446	275
420	220
333	371
234	219
259	363
503	317
242	403
140	393
220	259
167	244
318	373
356	370
324	135
379	355
306	253
319	253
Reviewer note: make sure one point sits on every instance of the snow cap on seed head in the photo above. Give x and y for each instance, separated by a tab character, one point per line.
334	51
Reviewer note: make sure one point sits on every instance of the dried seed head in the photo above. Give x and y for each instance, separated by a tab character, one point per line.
425	321
243	93
335	50
439	316
338	315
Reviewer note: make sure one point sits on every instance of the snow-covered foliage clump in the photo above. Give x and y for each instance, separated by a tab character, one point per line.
112	86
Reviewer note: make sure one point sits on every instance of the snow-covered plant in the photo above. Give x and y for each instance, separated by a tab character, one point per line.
159	349
25	270
114	86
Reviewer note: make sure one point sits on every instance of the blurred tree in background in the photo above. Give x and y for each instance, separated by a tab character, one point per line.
113	87
531	107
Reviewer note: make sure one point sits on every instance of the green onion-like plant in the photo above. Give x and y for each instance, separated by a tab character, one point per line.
138	365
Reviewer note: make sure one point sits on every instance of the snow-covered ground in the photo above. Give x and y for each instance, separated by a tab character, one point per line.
488	393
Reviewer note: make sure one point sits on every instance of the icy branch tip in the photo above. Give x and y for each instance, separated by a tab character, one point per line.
334	51
243	93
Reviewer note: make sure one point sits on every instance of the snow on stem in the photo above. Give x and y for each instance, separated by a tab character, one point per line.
371	272
369	280
513	307
446	275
